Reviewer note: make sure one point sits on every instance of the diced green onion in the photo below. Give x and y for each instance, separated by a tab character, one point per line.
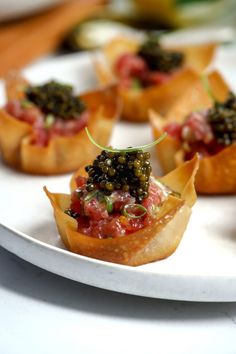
49	121
155	209
136	84
100	197
130	214
26	103
90	196
109	204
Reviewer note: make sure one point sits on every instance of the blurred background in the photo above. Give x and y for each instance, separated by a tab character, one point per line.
30	29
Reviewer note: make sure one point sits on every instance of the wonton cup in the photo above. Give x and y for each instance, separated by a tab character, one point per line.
217	173
63	153
137	102
156	241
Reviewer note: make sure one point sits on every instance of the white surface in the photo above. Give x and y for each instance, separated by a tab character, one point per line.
42	313
202	269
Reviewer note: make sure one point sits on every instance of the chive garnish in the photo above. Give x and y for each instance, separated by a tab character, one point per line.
97	194
109	204
129	149
207	87
49	120
130	214
90	196
26	103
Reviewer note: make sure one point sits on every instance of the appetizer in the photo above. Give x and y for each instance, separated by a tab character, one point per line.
41	127
150	75
207	127
119	212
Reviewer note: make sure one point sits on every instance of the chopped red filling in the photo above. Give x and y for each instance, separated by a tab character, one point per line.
131	65
134	72
100	217
43	128
195	135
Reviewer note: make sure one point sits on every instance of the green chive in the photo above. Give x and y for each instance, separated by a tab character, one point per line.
101	198
90	196
109	205
25	103
142	147
207	87
49	121
130	214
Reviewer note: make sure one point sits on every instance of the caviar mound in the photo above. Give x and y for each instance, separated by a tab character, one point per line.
217	172
157	58
62	153
160	97
128	171
55	98
156	241
224	129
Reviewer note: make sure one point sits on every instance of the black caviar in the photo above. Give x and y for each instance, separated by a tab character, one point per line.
222	119
57	99
158	58
71	213
127	171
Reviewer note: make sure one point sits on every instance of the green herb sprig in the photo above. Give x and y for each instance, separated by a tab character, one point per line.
208	89
129	149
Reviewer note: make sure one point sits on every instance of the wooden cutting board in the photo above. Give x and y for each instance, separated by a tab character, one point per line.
25	40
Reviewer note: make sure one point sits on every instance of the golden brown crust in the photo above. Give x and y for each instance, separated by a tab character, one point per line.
160	98
66	154
197	98
197	56
168	147
181	180
12	132
136	103
217	173
15	84
157	241
62	154
118	46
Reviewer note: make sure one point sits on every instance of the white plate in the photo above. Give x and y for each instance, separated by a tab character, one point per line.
202	269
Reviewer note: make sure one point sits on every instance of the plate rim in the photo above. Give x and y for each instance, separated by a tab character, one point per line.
205	282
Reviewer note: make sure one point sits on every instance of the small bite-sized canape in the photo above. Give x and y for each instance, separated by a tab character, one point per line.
42	127
203	122
150	75
119	212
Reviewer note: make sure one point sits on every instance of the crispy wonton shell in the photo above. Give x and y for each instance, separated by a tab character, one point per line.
62	154
137	102
155	242
217	173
